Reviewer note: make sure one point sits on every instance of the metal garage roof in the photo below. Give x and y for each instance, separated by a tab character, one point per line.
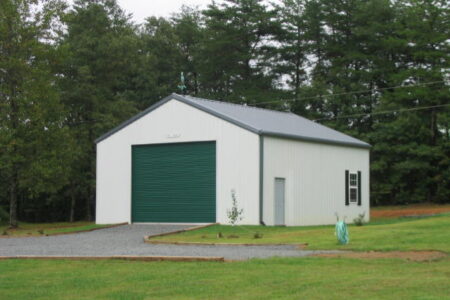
258	120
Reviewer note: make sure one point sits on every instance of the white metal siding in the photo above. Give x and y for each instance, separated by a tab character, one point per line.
315	180
237	160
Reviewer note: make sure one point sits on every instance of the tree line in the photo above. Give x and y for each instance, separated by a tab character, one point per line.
375	69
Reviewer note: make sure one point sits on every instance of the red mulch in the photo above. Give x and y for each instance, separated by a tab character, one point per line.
410	210
408	255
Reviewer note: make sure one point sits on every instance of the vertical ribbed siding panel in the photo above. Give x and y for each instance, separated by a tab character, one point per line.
315	180
174	183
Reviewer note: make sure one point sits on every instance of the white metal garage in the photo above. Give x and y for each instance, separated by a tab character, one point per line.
285	169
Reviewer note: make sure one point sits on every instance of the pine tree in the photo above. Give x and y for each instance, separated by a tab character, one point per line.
189	31
34	141
162	58
233	66
411	149
291	52
101	50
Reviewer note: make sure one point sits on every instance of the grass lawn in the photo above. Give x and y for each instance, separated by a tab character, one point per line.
276	278
287	278
39	229
428	233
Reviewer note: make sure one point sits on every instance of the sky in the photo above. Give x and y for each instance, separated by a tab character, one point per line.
142	9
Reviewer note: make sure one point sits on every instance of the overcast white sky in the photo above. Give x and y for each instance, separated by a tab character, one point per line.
161	8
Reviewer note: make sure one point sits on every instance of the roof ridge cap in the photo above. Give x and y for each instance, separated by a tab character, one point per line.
240	105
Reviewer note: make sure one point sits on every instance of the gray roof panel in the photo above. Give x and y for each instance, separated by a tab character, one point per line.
276	123
259	120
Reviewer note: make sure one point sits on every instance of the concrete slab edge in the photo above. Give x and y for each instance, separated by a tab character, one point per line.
300	246
148	237
148	240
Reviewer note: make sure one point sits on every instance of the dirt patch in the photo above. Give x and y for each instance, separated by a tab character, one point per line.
38	232
408	255
408	211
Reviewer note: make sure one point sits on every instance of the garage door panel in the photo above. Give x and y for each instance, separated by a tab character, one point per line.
174	182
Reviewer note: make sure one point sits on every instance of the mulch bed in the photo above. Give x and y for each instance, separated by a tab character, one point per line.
408	255
419	210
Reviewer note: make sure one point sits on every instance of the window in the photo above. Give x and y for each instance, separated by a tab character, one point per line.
353	195
353	179
353	187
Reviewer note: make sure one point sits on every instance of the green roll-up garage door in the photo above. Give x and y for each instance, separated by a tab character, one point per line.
174	182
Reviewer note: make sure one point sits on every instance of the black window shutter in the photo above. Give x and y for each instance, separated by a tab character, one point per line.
346	188
359	187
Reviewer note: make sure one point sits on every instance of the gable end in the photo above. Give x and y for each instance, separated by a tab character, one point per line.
181	99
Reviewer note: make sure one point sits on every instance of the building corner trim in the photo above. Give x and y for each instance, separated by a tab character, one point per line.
261	178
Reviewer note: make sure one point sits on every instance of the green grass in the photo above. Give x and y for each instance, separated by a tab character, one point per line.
431	233
39	229
287	278
276	278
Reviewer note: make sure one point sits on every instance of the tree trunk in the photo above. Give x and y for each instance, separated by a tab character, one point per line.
14	116
13	201
91	199
434	133
91	189
88	203
433	127
72	204
195	84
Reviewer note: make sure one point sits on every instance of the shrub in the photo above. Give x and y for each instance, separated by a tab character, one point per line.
359	221
234	214
257	235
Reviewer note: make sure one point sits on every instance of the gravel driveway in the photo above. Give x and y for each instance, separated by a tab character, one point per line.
128	240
